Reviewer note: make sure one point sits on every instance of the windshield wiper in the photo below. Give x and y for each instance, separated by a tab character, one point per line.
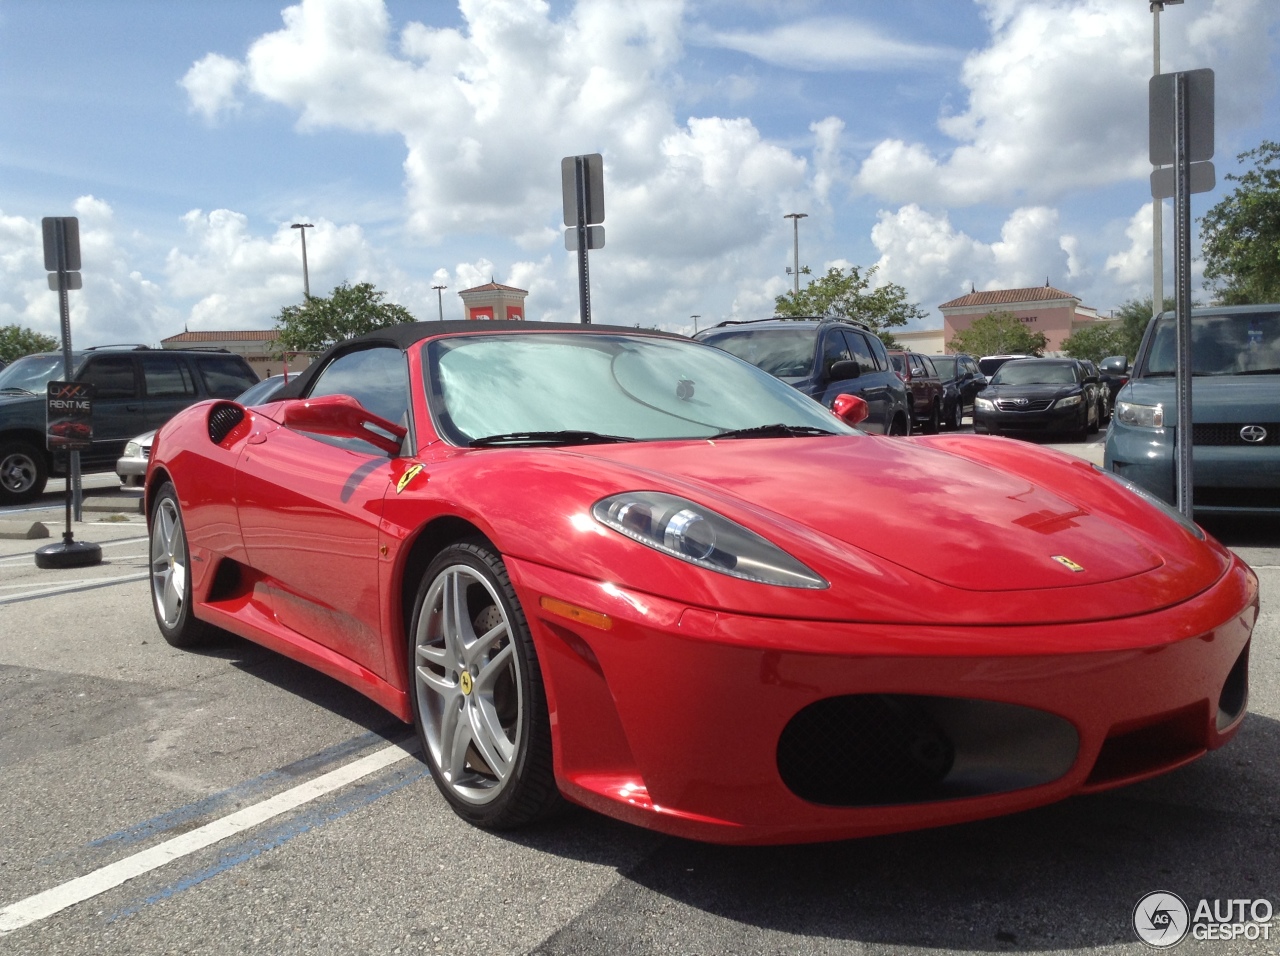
778	430
1260	371
563	437
16	390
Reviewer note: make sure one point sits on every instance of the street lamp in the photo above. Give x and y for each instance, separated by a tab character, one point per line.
302	228
439	298
795	218
695	323
1157	205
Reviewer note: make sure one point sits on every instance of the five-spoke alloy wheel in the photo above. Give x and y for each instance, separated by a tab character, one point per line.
477	691
171	576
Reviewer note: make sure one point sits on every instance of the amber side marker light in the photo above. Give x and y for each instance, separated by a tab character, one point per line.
575	613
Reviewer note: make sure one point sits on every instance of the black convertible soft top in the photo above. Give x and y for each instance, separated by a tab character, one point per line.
404	335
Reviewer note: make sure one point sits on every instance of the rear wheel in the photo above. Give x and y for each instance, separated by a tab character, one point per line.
478	700
934	421
953	418
899	425
171	575
23	472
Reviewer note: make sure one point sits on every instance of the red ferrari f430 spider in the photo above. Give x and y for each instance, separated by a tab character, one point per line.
631	571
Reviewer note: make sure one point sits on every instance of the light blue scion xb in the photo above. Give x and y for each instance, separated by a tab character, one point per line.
1235	411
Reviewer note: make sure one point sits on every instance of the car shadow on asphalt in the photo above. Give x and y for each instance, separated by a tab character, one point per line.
1064	876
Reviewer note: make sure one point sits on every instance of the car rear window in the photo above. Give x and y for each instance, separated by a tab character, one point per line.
225	376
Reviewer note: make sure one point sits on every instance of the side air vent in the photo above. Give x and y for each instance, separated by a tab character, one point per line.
222	419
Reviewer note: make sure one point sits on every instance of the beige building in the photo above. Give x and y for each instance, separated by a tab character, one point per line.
1041	309
254	345
493	301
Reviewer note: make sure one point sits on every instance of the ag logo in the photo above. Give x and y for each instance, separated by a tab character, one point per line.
1161	919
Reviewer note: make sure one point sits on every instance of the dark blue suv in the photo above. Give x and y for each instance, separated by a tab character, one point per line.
823	358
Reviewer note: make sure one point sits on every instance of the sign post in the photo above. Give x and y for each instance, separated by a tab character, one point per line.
69	409
582	181
1181	136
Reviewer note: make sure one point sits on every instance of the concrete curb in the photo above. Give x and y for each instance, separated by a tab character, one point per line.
22	530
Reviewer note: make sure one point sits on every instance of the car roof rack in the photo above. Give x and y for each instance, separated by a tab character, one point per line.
794	318
126	346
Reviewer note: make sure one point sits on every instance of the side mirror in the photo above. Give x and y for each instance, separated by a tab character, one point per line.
845	368
850	409
343	417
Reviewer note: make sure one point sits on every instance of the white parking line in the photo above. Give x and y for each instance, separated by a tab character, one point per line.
42	905
81	584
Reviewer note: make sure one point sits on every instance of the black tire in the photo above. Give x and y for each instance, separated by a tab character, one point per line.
934	421
24	472
478	700
171	574
899	427
953	418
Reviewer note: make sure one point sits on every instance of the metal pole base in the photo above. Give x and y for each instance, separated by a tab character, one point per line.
68	554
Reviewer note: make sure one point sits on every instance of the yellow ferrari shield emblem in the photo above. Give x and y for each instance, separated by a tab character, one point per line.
464	681
1066	562
407	477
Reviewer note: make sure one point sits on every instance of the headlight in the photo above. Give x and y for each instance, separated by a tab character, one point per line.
690	532
1069	401
1148	497
1143	416
984	404
133	450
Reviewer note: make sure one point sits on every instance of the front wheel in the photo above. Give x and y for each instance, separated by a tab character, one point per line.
953	418
478	700
23	472
171	575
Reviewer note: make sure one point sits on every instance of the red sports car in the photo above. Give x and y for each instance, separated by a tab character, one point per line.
629	570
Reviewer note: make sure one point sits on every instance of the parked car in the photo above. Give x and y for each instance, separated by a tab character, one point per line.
924	388
673	587
990	364
1235	408
823	358
1113	372
135	389
131	467
1101	393
962	380
1038	394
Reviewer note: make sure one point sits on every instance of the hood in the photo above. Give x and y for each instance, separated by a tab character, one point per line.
951	519
1214	398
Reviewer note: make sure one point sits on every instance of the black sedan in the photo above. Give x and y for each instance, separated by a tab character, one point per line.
1037	395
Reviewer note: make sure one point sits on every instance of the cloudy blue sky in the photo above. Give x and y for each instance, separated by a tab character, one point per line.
951	143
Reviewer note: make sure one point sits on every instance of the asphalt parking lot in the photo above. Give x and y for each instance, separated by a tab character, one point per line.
231	801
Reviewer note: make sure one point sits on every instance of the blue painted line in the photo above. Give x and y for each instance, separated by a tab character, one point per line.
361	795
206	806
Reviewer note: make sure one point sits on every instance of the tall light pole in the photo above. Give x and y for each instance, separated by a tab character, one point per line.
302	228
440	298
1157	205
795	218
695	323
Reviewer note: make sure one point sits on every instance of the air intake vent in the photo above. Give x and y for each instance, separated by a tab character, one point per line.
222	419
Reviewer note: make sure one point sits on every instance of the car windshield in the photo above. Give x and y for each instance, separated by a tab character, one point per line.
611	387
1243	344
786	353
946	365
1035	373
31	373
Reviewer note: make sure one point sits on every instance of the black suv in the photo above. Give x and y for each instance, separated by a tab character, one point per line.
135	389
823	358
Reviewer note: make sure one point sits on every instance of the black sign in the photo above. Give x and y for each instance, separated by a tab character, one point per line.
69	415
61	243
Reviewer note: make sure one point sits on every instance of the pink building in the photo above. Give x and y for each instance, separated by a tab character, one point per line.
493	301
1042	309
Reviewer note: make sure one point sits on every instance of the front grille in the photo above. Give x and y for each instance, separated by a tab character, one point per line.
1257	499
1009	405
1228	433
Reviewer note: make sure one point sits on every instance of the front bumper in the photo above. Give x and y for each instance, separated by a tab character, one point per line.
1225	479
684	719
1071	418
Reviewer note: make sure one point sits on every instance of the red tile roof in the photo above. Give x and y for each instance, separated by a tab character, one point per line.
256	335
1038	293
494	287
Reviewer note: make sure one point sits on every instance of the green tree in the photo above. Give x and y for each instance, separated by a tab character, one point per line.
349	311
1132	319
1095	341
850	296
998	333
15	342
1240	236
